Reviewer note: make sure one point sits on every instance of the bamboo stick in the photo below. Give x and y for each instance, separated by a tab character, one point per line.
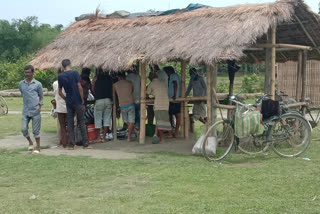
114	116
209	94
142	67
304	79
273	45
183	95
299	72
273	64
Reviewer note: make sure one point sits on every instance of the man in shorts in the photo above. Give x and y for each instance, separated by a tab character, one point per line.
124	91
32	94
174	91
161	106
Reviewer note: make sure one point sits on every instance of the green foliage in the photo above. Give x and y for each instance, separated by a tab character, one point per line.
46	77
222	87
24	36
252	83
11	73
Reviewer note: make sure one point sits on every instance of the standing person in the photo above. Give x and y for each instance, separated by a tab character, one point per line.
61	109
32	94
162	75
161	106
85	83
199	87
174	91
124	91
134	78
70	81
102	90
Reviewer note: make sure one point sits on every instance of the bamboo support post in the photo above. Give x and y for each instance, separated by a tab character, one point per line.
114	116
274	45
183	95
214	86
273	64
304	79
142	67
299	73
268	66
209	94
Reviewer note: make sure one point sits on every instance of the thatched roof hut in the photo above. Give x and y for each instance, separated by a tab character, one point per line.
202	36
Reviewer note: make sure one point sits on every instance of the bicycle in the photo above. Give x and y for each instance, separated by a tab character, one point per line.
3	106
288	135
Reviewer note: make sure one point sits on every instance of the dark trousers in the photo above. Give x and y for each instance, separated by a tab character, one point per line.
79	110
62	117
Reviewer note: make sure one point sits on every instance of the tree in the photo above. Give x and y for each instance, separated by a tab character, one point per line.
24	36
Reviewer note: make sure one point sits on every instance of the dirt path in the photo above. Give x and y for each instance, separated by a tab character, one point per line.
120	149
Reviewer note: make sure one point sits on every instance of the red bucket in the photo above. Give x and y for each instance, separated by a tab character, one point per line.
91	132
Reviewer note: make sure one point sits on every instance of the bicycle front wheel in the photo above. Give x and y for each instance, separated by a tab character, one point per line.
291	135
3	106
218	141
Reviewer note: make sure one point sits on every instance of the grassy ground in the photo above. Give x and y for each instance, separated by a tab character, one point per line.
11	124
156	182
16	103
159	183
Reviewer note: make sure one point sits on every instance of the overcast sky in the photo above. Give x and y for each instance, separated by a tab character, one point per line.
63	11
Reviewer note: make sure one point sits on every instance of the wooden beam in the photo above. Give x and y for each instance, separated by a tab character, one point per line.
301	47
278	49
304	75
114	116
307	33
209	69
183	95
299	73
273	64
142	67
204	98
267	65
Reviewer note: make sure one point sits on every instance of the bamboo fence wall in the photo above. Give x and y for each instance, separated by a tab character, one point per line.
289	81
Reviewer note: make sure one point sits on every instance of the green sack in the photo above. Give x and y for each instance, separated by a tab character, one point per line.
247	122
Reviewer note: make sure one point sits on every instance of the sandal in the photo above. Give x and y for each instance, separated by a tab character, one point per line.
36	152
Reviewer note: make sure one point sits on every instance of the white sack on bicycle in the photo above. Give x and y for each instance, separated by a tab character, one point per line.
247	122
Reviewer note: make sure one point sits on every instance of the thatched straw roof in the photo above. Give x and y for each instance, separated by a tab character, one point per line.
202	36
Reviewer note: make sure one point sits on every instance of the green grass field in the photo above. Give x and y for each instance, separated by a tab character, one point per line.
155	182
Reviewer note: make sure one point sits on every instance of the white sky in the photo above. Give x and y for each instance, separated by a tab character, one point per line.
63	11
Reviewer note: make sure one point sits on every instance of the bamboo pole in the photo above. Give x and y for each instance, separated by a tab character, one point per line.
268	65
209	94
299	72
204	98
274	45
114	116
142	67
273	64
214	86
304	79
183	95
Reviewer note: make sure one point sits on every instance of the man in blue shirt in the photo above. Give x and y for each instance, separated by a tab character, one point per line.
32	94
174	91
71	82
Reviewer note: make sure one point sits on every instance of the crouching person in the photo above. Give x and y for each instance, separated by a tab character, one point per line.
32	94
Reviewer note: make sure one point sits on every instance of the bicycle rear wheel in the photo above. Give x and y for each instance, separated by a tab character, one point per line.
255	144
218	141
3	106
291	135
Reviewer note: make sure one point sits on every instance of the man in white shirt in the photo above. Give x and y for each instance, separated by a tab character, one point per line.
61	109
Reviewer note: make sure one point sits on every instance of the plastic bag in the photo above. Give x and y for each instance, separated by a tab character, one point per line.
247	122
53	113
211	146
197	148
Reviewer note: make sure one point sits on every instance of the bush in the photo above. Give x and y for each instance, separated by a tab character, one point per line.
11	73
252	84
222	87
